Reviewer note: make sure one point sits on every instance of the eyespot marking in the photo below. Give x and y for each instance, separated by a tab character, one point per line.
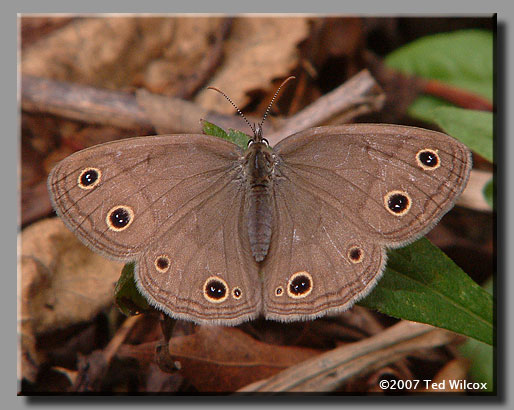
428	159
237	293
119	218
300	285
279	291
397	203
89	178
215	289
162	263
355	254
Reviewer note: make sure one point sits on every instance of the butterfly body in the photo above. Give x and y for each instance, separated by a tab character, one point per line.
259	165
221	235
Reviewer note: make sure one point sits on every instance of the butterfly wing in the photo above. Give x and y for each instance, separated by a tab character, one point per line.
317	263
205	272
167	203
344	194
391	182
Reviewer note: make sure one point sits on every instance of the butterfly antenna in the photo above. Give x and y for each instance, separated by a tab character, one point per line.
273	100
252	127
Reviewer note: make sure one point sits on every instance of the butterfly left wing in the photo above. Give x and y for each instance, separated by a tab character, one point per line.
342	195
317	263
391	182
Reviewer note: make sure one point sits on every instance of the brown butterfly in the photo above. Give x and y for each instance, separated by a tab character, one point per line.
221	235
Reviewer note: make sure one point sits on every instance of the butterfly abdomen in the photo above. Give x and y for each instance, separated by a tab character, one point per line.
258	173
259	221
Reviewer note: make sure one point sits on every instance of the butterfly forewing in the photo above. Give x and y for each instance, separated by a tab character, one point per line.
142	185
391	183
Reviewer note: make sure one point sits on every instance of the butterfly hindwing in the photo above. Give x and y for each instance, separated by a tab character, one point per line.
201	268
317	263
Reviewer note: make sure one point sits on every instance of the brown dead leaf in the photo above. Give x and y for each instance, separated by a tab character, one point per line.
258	50
29	357
157	380
33	27
62	282
183	56
98	51
221	359
342	36
329	370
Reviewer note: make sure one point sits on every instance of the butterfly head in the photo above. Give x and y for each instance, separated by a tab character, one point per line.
257	136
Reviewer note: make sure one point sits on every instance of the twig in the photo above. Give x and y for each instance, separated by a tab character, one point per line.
390	77
83	103
92	105
120	109
455	95
93	367
120	337
327	371
359	95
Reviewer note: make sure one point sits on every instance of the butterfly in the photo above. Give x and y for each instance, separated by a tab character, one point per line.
222	234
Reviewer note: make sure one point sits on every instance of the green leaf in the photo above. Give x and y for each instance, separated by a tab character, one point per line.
480	356
237	137
489	193
424	106
211	129
128	298
423	285
462	58
473	128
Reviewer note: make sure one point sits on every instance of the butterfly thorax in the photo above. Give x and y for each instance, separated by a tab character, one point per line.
258	168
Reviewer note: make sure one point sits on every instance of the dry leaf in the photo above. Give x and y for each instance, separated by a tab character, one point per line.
258	50
190	44
221	359
62	282
473	196
98	51
32	28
